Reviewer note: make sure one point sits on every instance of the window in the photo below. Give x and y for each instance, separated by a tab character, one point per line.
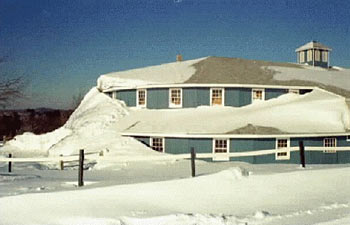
294	91
157	144
309	55
329	144
282	149
220	146
217	96
302	57
141	97
348	138
175	97
258	94
317	55
324	56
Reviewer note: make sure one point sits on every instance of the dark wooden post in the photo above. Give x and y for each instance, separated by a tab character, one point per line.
10	163
302	153
193	162
81	168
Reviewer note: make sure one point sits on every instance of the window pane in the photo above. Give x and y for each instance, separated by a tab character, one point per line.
220	146
157	144
216	96
142	97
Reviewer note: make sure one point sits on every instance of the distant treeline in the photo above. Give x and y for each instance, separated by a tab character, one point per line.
38	121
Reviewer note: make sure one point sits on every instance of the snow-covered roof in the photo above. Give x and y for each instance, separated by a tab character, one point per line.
314	113
313	45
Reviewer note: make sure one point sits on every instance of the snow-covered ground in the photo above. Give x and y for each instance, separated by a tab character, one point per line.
164	193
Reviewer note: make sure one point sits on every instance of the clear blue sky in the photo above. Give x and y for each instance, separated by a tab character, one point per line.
62	46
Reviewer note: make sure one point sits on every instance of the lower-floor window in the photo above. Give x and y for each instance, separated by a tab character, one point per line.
282	149
329	144
258	94
157	144
220	146
294	91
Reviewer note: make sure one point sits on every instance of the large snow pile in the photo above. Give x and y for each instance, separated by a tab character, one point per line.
91	127
176	72
316	112
227	197
339	78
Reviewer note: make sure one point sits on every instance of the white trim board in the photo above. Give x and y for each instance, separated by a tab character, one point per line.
208	85
223	136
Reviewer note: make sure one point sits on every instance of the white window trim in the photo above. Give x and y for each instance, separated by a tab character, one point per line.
330	149
137	98
171	105
151	143
294	91
263	94
348	138
279	150
221	156
114	94
223	96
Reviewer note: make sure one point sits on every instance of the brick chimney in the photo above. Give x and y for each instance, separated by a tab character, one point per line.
178	58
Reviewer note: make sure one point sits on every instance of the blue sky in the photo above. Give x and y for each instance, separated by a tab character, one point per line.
62	46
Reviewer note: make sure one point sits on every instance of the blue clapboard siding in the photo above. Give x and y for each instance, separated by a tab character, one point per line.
158	98
193	97
274	93
304	91
184	145
144	140
238	96
311	142
245	144
128	96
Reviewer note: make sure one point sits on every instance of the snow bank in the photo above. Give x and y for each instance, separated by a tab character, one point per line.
92	127
176	72
339	78
315	112
227	197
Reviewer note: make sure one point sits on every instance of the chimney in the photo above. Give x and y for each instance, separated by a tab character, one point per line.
178	58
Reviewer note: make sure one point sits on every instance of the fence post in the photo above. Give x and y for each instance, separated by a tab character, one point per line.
81	168
10	164
193	162
4	139
302	153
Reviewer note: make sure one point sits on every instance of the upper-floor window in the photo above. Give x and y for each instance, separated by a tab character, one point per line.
324	56
309	55
302	57
317	55
258	94
141	97
217	96
157	144
175	97
294	91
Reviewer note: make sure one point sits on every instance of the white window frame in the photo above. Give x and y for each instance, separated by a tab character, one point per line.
222	96
262	95
324	56
221	156
294	91
302	57
317	55
137	98
347	137
171	104
330	149
114	95
282	150
163	143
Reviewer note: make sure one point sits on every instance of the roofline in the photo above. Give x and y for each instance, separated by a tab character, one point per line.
190	135
318	48
209	85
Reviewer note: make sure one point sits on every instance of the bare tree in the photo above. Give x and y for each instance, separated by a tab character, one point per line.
11	89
